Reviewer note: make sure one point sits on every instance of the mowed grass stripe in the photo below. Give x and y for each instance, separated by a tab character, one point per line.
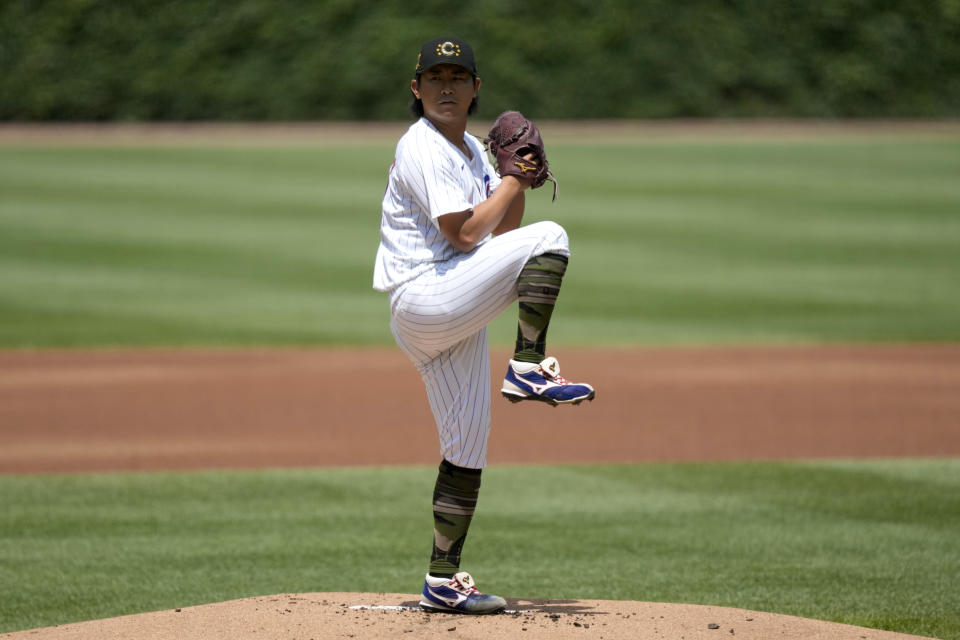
144	249
765	242
871	543
845	241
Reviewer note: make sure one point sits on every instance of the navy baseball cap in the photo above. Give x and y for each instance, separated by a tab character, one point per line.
446	51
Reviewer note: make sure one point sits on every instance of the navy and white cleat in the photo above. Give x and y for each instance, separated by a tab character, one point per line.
543	382
458	595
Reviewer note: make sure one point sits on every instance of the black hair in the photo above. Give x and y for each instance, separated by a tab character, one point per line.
416	104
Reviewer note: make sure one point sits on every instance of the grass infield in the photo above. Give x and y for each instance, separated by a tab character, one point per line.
693	242
870	543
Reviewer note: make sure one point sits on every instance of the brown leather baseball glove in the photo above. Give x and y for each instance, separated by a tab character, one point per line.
513	140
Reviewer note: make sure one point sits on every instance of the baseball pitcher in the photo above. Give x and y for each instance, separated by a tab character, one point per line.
453	256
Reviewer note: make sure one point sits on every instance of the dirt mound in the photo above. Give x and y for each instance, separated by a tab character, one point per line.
388	615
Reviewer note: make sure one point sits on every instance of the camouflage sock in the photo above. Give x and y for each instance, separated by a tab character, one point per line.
454	500
538	286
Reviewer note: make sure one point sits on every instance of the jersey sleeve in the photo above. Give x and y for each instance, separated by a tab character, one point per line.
434	177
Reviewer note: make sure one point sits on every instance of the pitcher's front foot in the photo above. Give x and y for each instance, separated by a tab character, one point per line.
458	595
543	382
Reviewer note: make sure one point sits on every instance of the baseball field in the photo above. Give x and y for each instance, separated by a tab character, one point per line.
206	431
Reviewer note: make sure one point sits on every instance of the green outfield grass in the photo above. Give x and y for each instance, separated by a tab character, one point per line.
866	543
849	240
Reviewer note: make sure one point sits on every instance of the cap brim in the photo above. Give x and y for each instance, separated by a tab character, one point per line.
451	62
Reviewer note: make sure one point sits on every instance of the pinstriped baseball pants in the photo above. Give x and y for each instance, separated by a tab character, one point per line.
440	320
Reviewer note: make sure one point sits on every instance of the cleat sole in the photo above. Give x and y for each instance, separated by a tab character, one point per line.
433	608
514	398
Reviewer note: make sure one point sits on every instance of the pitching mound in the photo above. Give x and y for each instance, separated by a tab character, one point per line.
390	615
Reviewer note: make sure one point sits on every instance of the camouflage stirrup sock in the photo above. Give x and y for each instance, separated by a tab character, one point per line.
454	500
538	285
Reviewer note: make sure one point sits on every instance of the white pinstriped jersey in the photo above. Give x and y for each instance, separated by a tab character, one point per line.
442	299
429	177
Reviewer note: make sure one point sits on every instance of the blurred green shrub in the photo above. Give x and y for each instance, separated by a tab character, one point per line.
351	59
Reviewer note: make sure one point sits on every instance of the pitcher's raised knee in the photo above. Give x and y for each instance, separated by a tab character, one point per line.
553	237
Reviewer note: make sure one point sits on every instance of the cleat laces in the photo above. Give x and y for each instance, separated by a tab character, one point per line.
559	379
463	583
550	369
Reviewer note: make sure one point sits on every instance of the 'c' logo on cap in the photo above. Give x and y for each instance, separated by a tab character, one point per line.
448	49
